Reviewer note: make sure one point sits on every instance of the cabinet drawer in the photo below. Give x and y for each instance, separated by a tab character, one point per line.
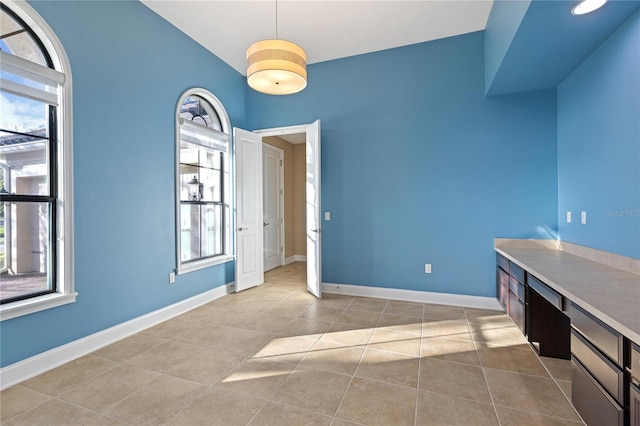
516	272
502	262
516	288
545	291
604	371
600	335
592	402
635	362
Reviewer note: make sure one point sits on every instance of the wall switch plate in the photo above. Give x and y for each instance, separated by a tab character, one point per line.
583	217
327	215
568	217
172	277
427	268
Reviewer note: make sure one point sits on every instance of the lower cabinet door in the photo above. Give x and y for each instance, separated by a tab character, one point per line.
516	311
594	404
634	405
502	288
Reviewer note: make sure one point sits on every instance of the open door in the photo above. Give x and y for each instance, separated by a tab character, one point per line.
314	225
248	167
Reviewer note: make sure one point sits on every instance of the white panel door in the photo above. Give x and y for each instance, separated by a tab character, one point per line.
248	166
272	193
314	225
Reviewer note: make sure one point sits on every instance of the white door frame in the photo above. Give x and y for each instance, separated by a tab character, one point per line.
316	262
281	196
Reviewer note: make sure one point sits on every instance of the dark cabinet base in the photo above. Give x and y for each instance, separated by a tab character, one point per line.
549	328
592	402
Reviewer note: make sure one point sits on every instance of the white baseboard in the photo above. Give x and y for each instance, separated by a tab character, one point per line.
413	296
38	364
295	258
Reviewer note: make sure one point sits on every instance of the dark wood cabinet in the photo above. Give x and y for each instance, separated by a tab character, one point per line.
510	290
634	405
605	364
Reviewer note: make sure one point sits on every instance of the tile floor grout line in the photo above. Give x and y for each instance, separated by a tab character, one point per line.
484	375
415	415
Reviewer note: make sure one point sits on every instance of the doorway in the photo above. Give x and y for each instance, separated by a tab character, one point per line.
248	148
291	195
307	142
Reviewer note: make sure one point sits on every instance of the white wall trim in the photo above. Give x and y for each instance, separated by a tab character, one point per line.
41	363
480	302
295	258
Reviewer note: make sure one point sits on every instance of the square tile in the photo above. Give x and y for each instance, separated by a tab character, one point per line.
395	341
218	407
447	349
274	414
529	393
460	380
56	381
156	402
18	399
257	377
313	390
438	409
373	403
405	309
326	356
389	367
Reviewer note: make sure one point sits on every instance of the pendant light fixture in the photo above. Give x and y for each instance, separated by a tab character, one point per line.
276	67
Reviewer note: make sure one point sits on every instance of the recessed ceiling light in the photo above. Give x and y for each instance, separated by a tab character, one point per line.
587	6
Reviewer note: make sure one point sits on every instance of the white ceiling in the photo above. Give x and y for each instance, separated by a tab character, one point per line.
326	29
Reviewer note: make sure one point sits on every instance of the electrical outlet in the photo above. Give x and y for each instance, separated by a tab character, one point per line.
172	277
568	217
583	218
327	216
427	268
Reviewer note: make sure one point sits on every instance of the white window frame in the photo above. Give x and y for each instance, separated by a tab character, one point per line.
65	293
218	140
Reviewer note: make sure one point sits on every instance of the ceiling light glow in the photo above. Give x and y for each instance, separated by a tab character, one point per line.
587	6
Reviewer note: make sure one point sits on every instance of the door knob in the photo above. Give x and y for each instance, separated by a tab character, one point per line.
317	231
265	223
241	229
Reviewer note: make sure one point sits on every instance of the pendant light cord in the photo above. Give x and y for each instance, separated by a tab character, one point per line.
276	19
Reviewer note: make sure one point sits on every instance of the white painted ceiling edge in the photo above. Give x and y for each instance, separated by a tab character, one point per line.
325	29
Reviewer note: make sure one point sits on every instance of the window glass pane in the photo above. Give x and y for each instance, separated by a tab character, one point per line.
200	173
17	41
200	231
24	250
198	110
24	145
212	225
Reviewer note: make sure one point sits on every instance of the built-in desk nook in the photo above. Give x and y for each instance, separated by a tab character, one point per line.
576	303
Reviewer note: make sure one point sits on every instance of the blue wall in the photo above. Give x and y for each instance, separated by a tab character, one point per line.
129	69
418	166
599	146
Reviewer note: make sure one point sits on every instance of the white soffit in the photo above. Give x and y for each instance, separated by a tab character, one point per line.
327	29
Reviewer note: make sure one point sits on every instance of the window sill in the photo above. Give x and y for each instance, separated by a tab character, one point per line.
189	267
35	304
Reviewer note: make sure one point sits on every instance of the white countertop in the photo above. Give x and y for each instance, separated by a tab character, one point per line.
610	294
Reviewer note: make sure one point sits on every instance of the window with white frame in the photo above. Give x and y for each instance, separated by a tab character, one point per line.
203	174
36	238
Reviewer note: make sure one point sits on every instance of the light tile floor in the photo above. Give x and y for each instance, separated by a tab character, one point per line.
274	355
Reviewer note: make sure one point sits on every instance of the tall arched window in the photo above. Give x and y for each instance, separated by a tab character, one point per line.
203	175
36	239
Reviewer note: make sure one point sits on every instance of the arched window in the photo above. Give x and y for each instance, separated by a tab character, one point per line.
36	237
203	175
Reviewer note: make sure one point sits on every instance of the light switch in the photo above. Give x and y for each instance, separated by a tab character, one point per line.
568	217
327	215
583	217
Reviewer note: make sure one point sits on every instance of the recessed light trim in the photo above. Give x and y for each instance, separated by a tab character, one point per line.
587	6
